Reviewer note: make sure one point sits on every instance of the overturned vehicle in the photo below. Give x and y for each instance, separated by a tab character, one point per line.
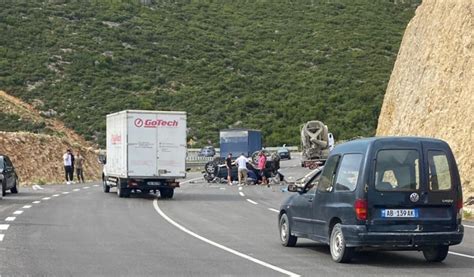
216	170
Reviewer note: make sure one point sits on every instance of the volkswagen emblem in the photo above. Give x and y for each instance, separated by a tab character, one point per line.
414	197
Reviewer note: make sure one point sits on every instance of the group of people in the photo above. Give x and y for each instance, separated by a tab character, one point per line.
72	163
242	170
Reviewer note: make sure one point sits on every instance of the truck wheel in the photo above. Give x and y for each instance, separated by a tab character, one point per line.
122	192
14	189
436	253
166	193
286	238
340	253
105	187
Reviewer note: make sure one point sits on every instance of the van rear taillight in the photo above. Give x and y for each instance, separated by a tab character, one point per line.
459	207
360	207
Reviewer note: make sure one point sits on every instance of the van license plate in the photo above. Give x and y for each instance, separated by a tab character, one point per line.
154	183
400	213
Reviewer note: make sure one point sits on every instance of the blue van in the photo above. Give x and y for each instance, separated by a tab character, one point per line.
388	193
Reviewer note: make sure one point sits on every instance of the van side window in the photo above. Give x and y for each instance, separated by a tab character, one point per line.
327	176
348	172
397	170
439	173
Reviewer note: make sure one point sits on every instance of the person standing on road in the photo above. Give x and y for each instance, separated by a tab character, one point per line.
242	161
262	161
67	160
228	164
78	165
72	166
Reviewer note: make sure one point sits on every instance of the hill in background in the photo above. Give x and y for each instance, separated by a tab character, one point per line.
270	65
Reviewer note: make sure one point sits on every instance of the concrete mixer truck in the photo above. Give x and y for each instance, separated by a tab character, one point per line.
316	143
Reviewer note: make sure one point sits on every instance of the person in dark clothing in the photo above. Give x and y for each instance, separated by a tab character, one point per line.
228	164
72	166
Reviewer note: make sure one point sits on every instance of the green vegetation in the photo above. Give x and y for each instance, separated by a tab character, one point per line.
270	65
14	123
467	215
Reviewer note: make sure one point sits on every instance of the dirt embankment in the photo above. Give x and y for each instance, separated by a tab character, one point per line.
431	90
38	157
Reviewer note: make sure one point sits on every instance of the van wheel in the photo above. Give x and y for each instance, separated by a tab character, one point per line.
436	253
105	187
340	253
286	238
4	189
15	188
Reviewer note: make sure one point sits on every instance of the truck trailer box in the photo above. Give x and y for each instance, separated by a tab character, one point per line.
238	141
145	148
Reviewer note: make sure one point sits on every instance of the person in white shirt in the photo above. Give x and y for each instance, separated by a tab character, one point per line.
241	162
67	159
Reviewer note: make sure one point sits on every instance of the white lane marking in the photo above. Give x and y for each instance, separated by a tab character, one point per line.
241	194
220	246
240	188
46	198
37	187
27	206
96	185
273	210
65	192
17	212
76	189
1	237
190	180
10	218
222	188
55	195
36	202
468	226
4	227
85	187
251	201
462	255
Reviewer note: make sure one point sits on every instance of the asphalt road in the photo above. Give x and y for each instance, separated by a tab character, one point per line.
205	230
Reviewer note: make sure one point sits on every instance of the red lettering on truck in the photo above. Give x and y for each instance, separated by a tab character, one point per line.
116	139
154	123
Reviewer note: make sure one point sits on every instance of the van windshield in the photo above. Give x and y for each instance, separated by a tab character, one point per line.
397	170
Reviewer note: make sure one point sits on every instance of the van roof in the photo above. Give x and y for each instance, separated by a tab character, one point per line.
362	145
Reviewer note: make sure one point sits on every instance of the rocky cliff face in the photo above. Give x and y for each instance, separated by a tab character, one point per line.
38	157
431	90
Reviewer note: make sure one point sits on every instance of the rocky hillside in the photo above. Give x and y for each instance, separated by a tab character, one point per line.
431	90
38	156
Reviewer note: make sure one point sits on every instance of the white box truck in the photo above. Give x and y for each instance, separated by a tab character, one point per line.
146	151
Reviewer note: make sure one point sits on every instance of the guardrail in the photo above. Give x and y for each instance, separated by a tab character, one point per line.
194	160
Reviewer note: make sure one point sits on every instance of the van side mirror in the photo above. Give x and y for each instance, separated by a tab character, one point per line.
295	188
292	188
